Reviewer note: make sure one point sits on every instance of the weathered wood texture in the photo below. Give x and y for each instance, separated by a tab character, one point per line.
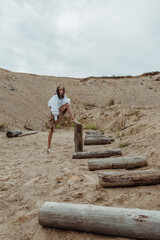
98	137
28	133
122	222
129	178
96	141
94	132
94	135
78	137
124	162
18	133
97	154
14	133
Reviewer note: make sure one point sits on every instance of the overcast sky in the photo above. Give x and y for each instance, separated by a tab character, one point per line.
80	38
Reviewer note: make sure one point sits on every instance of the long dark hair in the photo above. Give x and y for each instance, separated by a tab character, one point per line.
57	91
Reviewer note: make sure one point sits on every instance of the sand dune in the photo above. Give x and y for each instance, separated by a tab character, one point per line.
29	176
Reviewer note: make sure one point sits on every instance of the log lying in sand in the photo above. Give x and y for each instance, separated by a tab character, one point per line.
124	162
129	178
94	136
18	133
28	133
78	137
94	132
96	141
124	222
97	154
14	133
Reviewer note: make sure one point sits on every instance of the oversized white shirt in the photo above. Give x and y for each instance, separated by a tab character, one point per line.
55	103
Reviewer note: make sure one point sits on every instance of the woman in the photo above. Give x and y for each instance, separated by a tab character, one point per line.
58	104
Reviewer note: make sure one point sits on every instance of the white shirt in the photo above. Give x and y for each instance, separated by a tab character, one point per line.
55	103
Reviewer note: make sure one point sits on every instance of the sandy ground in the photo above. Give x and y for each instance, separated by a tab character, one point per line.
29	176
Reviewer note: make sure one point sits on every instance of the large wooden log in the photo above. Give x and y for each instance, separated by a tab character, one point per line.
129	178
78	137
124	162
96	141
132	223
97	154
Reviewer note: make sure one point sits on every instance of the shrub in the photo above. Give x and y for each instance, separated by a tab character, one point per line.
91	126
58	126
123	144
111	101
3	127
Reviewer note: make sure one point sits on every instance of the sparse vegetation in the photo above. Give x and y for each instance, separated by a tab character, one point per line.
111	102
157	79
122	135
3	127
123	144
91	126
58	126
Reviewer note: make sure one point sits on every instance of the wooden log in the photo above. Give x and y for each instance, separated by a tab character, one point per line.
97	154
28	133
89	136
94	132
125	162
94	136
96	141
129	178
78	137
122	222
14	133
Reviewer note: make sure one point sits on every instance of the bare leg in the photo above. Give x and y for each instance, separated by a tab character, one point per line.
50	138
70	113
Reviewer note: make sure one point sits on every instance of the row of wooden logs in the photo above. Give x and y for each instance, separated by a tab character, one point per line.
91	138
116	179
133	223
97	138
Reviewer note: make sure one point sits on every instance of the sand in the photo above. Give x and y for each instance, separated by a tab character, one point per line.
29	176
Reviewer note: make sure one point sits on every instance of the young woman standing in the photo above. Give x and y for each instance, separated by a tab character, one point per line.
59	105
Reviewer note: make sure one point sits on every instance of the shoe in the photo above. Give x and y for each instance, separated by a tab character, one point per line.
48	150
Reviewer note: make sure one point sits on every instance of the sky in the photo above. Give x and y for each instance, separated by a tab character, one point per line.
80	38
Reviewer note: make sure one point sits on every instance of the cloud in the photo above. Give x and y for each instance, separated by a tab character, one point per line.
80	38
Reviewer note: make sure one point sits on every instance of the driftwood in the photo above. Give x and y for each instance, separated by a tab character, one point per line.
28	133
18	133
97	154
14	133
94	132
124	162
78	137
128	126
129	178
98	137
96	141
122	222
94	136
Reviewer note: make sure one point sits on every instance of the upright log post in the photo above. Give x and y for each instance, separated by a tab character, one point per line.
78	137
125	222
